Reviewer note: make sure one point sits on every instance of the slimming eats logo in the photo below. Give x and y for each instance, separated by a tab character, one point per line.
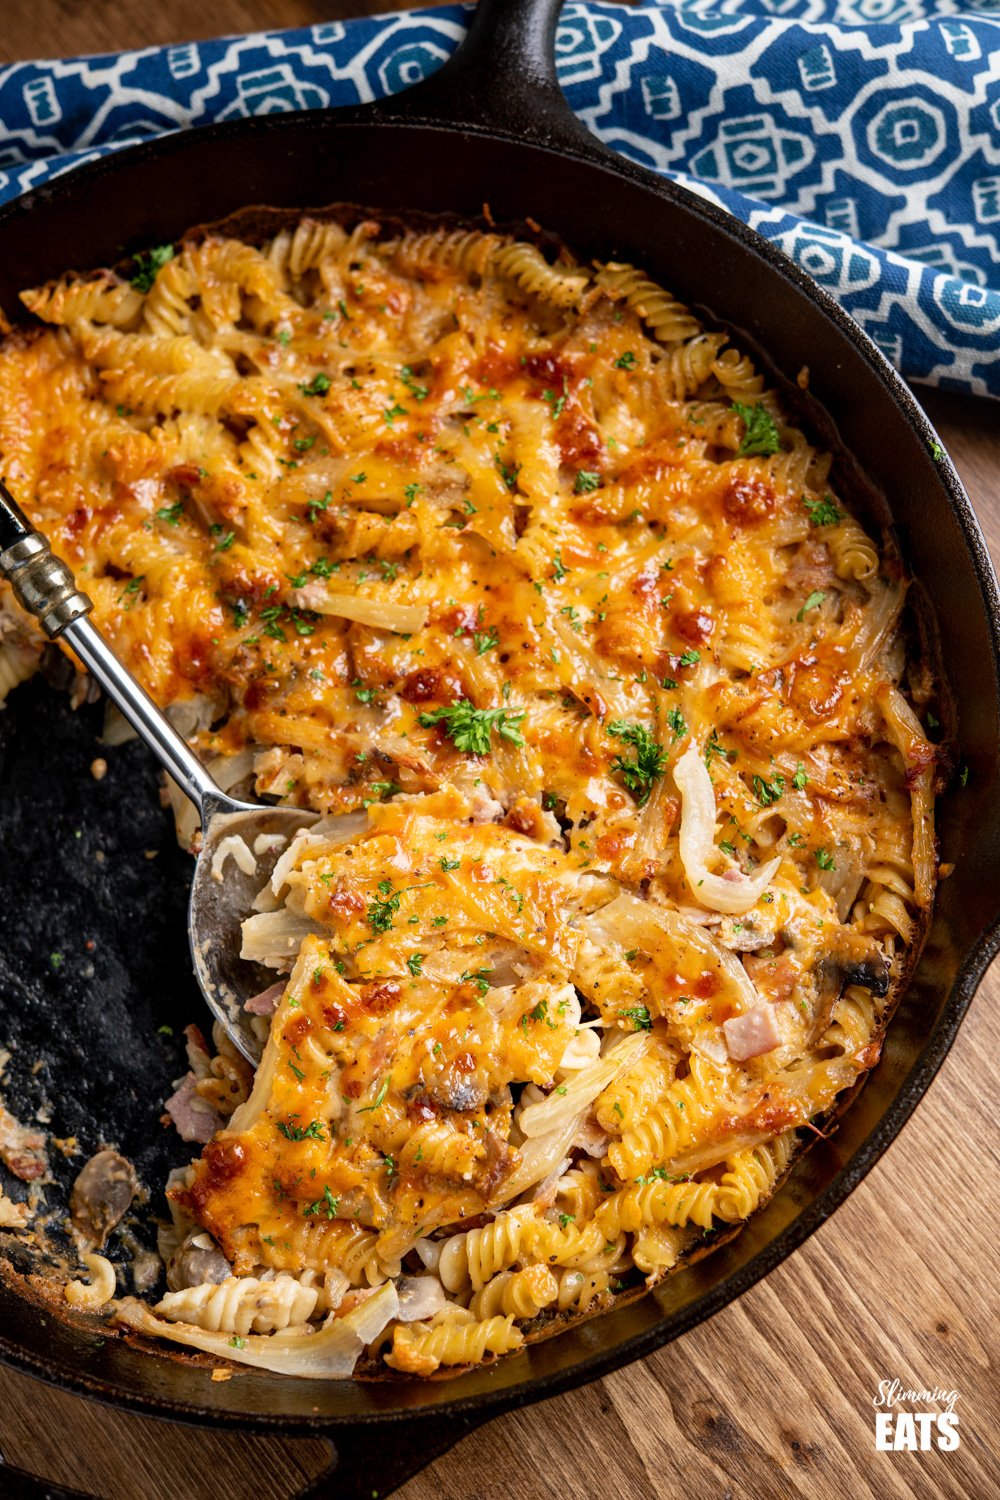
914	1431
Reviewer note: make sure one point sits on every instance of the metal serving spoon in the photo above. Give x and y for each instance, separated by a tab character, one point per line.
46	588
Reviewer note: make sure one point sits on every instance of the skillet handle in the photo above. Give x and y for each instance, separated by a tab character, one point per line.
377	1461
502	78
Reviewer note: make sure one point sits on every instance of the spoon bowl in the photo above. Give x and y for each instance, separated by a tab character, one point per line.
222	897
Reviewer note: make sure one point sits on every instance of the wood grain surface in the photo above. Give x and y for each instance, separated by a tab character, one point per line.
773	1397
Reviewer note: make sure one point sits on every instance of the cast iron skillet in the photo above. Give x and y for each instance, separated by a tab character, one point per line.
491	125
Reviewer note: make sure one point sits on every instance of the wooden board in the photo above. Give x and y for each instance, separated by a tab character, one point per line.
773	1397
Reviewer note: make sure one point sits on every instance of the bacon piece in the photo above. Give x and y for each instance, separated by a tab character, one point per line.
380	996
747	501
22	1148
266	1003
430	685
193	1116
752	1034
693	625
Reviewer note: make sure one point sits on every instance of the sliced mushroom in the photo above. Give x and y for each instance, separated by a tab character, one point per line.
196	1260
858	959
455	1089
102	1195
871	974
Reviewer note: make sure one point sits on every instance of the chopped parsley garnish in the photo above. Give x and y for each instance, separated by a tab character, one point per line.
328	1204
384	789
760	436
825	860
223	539
485	640
469	728
318	386
657	1174
677	723
417	391
450	864
813	602
508	475
311	1132
625	361
800	778
714	748
821	512
586	482
379	1099
236	1342
649	762
540	1013
415	964
392	412
148	264
639	1016
411	492
556	402
171	513
689	659
768	792
479	977
559	571
381	912
131	589
315	506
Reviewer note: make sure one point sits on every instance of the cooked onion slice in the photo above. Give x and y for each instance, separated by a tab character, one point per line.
404	619
575	1096
733	892
327	1353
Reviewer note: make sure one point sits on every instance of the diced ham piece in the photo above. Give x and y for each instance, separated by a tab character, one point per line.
310	596
266	1003
752	1034
193	1116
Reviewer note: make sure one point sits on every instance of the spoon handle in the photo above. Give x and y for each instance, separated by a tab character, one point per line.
45	587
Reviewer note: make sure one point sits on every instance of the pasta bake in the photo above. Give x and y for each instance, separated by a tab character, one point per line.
530	585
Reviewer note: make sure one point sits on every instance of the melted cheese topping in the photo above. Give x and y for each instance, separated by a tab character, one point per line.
468	551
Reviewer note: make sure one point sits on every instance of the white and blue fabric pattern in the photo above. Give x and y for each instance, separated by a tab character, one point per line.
860	136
